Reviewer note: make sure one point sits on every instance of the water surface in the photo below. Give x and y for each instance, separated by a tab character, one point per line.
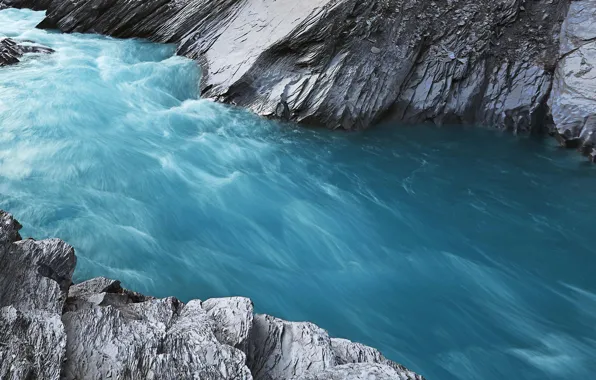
461	253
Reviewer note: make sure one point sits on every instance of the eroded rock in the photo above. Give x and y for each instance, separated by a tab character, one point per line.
573	100
34	281
51	329
11	51
279	349
232	317
348	63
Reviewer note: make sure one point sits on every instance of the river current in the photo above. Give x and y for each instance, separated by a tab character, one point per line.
462	253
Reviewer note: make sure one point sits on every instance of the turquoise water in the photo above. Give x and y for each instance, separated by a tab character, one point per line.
461	253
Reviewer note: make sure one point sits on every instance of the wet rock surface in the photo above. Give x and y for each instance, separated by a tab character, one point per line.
53	329
12	51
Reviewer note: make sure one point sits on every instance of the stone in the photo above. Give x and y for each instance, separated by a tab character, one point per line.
11	51
573	98
359	371
232	319
347	352
52	329
350	64
278	349
34	281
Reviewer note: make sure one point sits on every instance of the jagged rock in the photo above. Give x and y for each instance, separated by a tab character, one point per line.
94	286
11	51
51	329
34	280
347	352
155	339
232	319
359	371
351	63
573	99
279	350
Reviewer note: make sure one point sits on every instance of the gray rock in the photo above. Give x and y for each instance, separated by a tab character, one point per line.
573	99
347	352
278	350
359	371
94	286
348	63
34	280
232	319
156	339
50	329
11	51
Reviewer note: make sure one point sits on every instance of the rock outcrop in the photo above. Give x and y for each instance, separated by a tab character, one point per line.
520	65
52	329
350	63
11	51
573	99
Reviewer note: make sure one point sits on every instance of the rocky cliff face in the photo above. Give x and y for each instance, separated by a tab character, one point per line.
573	99
349	63
51	329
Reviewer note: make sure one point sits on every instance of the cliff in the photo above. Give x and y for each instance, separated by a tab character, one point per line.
519	65
52	329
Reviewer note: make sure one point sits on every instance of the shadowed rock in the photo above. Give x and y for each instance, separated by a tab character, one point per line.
11	51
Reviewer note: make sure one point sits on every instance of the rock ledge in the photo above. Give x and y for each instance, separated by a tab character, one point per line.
53	329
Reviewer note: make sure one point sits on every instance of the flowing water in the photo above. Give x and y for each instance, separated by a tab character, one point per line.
461	253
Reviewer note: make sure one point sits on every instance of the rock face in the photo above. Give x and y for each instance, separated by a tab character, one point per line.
11	51
51	329
350	63
573	101
519	65
34	280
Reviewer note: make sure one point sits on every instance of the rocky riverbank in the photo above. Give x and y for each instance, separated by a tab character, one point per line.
53	329
524	66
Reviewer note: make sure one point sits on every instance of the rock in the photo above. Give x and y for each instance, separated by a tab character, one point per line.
347	352
34	281
11	51
573	98
94	286
278	349
232	319
348	63
51	329
360	371
155	339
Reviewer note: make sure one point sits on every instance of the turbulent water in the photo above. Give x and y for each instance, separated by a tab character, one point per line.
462	254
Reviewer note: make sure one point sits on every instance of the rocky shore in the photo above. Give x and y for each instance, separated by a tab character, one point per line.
519	65
53	329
